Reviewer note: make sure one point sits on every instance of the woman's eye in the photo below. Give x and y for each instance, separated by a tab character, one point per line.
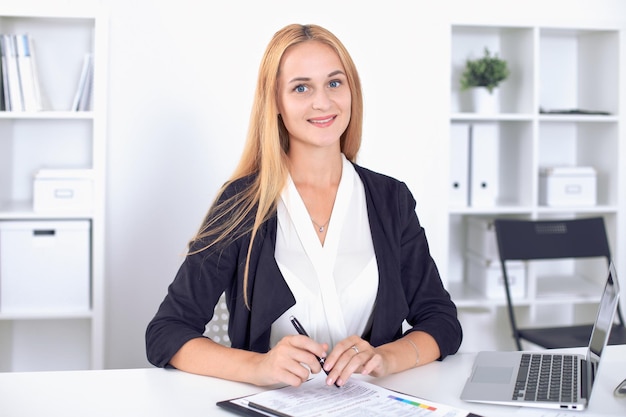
300	89
334	84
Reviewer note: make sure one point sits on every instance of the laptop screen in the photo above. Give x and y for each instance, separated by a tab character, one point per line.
604	321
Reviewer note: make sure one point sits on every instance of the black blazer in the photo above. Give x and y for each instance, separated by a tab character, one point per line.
409	288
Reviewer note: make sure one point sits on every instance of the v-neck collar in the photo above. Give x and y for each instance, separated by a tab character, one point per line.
323	257
303	223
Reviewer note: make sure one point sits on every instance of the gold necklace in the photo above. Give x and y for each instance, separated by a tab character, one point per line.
322	227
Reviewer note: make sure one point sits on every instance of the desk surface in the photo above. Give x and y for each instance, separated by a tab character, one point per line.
157	392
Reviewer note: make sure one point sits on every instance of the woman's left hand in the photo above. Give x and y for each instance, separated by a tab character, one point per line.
351	355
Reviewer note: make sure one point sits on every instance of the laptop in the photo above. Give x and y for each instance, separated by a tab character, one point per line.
501	377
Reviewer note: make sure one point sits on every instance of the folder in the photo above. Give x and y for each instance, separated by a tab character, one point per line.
459	164
484	165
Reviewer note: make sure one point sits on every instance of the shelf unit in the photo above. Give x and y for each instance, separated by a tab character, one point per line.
57	138
552	68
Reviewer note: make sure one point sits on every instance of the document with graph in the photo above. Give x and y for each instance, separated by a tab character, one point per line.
356	398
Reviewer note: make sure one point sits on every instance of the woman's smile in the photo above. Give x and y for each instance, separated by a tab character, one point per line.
323	121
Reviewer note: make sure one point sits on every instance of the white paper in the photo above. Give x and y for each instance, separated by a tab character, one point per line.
355	399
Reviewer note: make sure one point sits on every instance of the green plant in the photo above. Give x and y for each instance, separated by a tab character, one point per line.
488	71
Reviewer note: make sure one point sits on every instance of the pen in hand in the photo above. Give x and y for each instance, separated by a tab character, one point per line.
303	332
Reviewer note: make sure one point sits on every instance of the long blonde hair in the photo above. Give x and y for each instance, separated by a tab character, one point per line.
267	145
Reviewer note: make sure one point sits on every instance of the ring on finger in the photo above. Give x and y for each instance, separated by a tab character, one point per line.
355	348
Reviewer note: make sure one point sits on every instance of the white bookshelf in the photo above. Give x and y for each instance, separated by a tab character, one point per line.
553	68
56	138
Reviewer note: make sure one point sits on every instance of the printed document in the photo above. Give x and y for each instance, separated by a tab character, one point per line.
356	398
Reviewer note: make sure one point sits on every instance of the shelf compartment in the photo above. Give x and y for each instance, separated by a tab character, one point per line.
489	164
579	69
514	44
29	145
583	144
45	345
58	67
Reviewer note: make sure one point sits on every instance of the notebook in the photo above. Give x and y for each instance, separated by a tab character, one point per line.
500	377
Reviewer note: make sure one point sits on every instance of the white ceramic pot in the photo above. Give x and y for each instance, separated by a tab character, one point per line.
484	102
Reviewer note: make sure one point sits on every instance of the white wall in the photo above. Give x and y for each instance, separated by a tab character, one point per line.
181	83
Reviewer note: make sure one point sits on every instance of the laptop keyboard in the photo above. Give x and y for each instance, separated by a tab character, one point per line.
547	377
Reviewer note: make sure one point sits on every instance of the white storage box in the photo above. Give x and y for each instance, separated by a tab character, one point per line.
63	190
567	186
485	276
481	238
44	266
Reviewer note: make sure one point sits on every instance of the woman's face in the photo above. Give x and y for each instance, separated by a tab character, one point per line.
313	95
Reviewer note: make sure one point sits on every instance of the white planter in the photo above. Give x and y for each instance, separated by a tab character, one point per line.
484	102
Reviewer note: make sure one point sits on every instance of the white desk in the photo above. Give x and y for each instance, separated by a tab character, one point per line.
156	392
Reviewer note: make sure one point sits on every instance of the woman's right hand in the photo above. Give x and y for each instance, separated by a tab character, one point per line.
289	361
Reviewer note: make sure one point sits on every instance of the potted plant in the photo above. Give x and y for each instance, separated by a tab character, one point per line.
483	76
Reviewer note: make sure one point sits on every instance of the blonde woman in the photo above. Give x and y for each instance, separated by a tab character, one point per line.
300	230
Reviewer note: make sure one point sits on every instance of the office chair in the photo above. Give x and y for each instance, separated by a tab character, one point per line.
553	239
217	328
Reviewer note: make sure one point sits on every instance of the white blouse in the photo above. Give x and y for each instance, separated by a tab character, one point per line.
334	284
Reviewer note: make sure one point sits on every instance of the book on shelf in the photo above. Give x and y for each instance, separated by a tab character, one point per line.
20	84
13	98
4	80
28	74
82	98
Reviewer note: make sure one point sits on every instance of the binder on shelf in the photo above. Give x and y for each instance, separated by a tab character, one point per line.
28	74
9	53
484	166
5	103
82	98
459	164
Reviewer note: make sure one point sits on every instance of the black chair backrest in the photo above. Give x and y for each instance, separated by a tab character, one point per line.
552	239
